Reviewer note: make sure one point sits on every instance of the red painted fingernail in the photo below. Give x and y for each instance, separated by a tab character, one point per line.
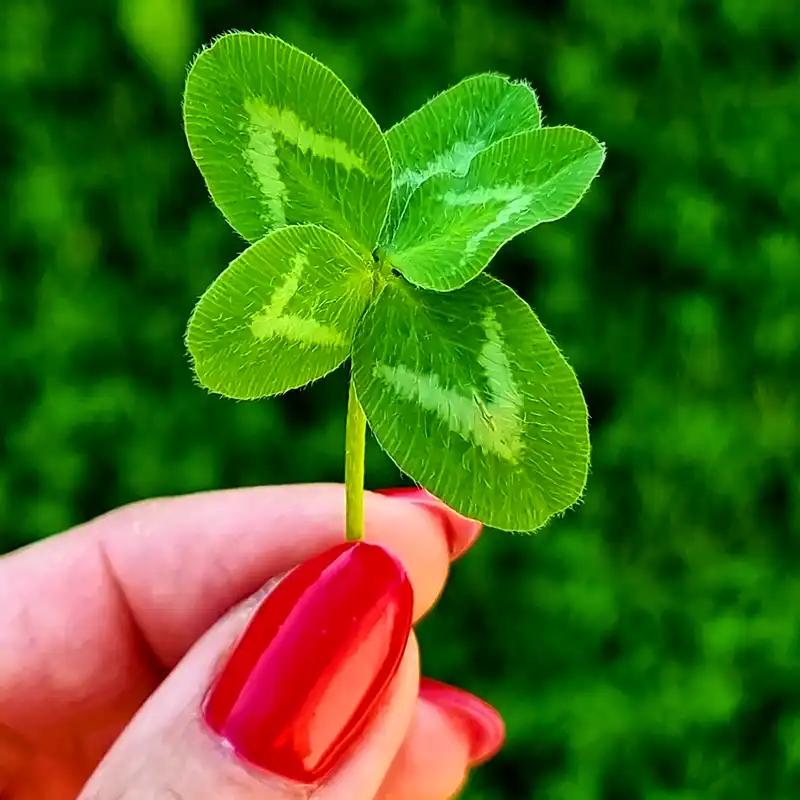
483	724
461	531
314	662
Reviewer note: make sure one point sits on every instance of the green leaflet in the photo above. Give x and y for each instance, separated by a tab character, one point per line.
453	225
280	139
282	314
451	129
471	398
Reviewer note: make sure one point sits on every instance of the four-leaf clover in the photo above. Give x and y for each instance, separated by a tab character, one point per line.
372	246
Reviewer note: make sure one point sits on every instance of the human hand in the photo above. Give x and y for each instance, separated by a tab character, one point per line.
112	633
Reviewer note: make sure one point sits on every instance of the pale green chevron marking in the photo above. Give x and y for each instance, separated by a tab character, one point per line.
285	123
453	225
282	314
502	414
493	425
516	198
280	140
268	122
445	134
455	160
262	157
468	394
287	290
272	321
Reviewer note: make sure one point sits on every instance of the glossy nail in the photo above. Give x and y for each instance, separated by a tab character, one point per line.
461	531
482	724
315	661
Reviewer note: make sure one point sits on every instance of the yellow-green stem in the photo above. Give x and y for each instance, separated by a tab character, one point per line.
355	437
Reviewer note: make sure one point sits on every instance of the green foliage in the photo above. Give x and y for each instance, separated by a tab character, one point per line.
467	393
143	23
646	646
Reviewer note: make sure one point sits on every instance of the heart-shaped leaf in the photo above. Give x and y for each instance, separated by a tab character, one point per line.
282	314
445	134
453	225
280	139
469	395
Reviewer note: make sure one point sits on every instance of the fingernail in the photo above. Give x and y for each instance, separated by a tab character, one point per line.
461	531
482	724
316	659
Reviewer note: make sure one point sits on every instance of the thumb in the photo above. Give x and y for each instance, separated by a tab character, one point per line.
310	691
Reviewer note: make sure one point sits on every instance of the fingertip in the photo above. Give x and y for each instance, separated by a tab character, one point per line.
480	722
433	760
418	538
460	532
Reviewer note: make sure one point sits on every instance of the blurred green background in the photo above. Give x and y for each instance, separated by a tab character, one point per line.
647	645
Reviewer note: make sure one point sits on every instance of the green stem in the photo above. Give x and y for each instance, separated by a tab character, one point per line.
355	437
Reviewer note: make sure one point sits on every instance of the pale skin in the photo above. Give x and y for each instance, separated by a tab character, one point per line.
111	633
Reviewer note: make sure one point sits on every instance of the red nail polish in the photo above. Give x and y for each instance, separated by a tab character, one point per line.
461	531
314	662
483	724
